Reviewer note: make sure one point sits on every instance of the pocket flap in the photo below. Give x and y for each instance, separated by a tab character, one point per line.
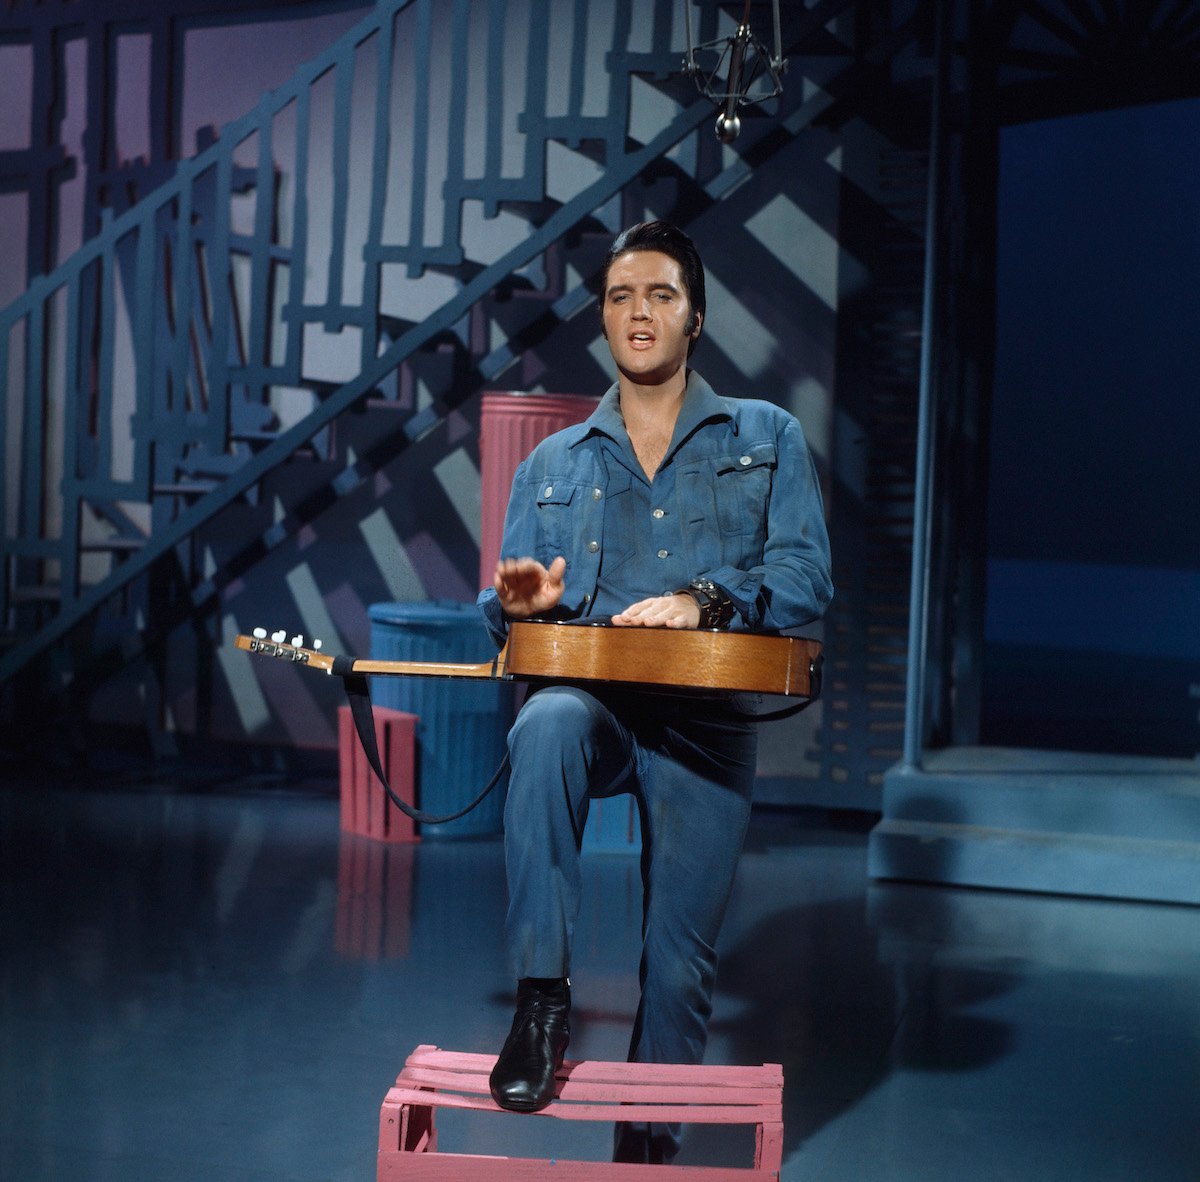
556	492
757	455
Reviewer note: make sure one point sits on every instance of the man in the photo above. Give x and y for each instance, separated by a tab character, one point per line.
669	508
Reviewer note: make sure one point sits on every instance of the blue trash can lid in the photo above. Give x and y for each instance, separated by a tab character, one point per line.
441	611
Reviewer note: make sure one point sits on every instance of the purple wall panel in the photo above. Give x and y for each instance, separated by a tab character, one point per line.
228	69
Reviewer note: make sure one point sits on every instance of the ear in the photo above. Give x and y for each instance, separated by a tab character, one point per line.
692	327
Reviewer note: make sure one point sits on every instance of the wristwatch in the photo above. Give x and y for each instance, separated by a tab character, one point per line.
716	608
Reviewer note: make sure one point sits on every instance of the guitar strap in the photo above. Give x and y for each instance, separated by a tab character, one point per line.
776	715
358	694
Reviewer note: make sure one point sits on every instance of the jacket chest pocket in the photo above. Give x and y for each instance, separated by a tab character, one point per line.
742	488
555	498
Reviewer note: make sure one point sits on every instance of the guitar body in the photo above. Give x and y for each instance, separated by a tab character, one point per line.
745	662
667	659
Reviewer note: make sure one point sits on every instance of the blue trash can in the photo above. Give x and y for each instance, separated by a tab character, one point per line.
462	726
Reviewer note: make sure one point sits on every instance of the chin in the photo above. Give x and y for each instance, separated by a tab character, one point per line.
650	375
651	371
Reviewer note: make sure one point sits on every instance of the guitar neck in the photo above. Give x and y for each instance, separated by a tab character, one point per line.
485	670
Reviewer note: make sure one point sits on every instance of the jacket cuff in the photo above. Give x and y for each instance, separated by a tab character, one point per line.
494	618
742	588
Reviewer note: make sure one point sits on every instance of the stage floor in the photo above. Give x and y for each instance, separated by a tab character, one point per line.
204	980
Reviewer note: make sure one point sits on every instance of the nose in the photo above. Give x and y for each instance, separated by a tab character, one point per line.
641	309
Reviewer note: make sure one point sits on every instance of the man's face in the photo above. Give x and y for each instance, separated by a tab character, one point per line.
646	313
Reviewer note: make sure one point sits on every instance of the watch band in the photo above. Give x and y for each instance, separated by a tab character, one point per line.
716	608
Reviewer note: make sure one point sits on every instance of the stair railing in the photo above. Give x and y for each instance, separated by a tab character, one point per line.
339	226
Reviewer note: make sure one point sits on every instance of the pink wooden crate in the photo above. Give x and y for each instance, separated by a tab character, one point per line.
433	1078
365	807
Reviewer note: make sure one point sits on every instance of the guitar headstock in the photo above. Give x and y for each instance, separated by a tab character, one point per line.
276	645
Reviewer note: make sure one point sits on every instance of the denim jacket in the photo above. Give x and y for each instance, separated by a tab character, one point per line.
754	522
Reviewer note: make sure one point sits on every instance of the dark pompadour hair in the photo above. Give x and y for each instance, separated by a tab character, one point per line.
674	243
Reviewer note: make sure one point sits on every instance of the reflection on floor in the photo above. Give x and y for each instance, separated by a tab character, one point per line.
214	985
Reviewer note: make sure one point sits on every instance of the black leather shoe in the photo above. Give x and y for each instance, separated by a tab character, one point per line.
523	1078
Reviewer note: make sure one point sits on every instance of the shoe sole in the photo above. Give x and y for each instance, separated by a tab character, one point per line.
511	1107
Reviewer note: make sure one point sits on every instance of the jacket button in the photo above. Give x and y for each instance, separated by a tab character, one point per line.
593	547
662	554
596	494
657	513
549	491
744	461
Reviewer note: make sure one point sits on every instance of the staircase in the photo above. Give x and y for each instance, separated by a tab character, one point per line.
351	242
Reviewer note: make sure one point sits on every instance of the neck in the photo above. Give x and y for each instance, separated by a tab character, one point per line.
655	403
649	412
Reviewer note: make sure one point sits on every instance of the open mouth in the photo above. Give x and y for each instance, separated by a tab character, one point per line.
641	340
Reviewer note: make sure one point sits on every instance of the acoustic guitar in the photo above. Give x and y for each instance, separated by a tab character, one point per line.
662	658
666	660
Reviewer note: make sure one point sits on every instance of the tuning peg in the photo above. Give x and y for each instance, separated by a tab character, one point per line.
260	634
279	637
298	640
316	644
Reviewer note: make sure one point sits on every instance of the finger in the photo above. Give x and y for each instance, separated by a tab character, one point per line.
557	569
517	570
647	613
525	569
632	615
503	573
666	611
641	607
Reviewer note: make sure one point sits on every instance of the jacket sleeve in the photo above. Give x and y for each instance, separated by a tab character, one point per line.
517	540
792	585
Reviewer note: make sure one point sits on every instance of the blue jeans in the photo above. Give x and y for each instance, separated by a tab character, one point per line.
690	765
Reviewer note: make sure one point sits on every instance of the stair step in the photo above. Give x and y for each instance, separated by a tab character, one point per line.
50	593
258	439
190	488
113	545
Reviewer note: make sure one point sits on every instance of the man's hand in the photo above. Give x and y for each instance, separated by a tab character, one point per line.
663	611
526	587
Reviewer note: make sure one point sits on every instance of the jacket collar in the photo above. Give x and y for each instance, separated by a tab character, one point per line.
701	404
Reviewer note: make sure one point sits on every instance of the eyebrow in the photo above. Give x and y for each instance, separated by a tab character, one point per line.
620	287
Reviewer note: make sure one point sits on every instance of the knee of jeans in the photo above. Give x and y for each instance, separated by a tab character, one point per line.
555	717
678	970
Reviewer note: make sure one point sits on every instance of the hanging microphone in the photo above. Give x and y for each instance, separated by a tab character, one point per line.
753	75
728	123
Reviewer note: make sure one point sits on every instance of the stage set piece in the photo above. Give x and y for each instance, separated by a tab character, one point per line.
586	1090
